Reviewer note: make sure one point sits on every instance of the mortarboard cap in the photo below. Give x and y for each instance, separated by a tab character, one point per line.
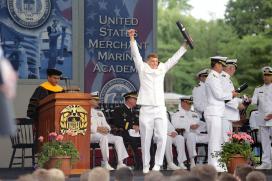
53	72
267	70
219	59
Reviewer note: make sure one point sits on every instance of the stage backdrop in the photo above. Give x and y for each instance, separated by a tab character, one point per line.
109	67
36	35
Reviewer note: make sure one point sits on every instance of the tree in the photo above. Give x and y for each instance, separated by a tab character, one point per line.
249	17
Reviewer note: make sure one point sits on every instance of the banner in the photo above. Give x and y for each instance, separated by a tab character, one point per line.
36	35
109	67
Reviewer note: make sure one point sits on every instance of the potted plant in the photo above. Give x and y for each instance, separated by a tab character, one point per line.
236	151
57	153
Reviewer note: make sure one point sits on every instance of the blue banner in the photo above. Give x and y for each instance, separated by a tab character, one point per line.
36	35
109	67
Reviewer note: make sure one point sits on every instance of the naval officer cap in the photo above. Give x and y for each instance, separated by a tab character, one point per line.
232	62
219	59
131	95
204	72
188	99
51	72
95	95
267	70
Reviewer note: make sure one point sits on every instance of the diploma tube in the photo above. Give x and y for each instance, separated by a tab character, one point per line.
185	34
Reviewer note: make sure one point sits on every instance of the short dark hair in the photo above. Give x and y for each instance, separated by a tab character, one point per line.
242	171
154	176
256	175
213	63
180	172
123	174
152	55
205	172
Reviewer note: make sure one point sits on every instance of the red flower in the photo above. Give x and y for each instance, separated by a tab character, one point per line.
59	138
53	134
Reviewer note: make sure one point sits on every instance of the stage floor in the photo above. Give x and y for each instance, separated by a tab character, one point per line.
14	173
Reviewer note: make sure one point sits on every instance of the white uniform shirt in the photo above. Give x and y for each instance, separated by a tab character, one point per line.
262	97
231	108
199	97
215	95
184	119
98	119
151	91
254	121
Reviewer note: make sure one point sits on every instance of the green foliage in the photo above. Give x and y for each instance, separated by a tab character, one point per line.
239	143
56	147
216	37
249	17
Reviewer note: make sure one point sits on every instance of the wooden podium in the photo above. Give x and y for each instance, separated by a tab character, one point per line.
65	109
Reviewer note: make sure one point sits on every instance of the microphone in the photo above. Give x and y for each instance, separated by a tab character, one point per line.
185	34
64	78
241	88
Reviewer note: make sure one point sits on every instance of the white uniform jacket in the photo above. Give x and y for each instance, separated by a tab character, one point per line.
262	97
98	119
184	119
231	108
151	91
199	97
215	95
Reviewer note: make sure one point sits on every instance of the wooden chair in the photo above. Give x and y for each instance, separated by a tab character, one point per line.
24	139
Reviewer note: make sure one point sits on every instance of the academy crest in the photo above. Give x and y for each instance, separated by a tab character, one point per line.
113	91
29	13
73	120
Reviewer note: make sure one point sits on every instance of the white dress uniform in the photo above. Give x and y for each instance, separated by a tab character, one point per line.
199	97
184	119
178	141
151	98
262	97
231	112
98	119
254	123
213	113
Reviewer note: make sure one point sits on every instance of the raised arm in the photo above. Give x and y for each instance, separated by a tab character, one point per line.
176	57
137	58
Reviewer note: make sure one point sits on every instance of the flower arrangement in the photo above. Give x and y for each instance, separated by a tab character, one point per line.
238	143
56	147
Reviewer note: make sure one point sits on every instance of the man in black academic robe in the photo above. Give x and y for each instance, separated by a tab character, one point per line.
126	119
49	87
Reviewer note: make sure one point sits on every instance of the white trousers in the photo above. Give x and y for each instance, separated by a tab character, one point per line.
266	132
178	141
104	141
153	119
214	127
226	127
191	140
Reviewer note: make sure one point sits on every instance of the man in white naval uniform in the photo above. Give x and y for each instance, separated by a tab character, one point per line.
199	93
214	110
151	98
100	134
194	128
232	107
178	140
262	97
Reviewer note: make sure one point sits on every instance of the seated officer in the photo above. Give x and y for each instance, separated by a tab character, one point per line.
100	133
49	87
176	138
126	120
190	121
